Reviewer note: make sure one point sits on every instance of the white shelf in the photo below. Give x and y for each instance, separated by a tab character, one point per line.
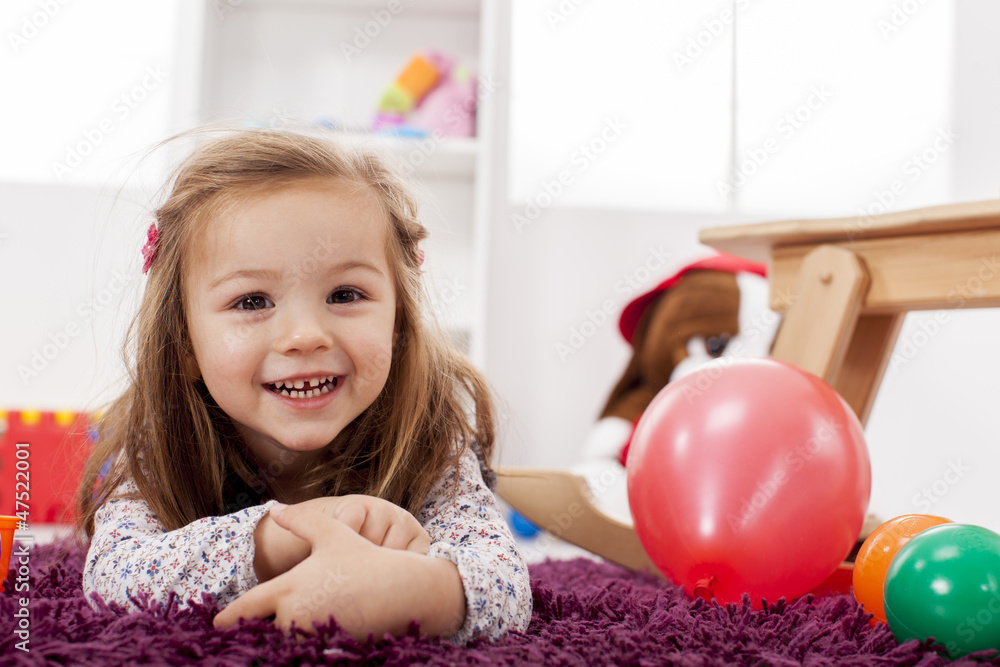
443	7
449	157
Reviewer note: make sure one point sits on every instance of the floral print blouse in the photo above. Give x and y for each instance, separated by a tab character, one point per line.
131	553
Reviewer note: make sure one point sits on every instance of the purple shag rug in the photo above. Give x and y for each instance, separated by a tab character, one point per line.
585	613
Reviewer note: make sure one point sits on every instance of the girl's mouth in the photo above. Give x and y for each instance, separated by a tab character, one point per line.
308	388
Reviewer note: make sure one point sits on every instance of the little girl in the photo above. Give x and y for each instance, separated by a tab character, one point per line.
296	437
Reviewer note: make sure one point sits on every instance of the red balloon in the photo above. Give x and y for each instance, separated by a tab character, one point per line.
748	476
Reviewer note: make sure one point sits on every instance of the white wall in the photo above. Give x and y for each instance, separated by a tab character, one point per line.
69	260
88	88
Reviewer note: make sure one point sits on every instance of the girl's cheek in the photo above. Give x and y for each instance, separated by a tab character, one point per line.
376	370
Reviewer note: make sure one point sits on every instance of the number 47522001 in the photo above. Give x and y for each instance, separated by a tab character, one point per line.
22	487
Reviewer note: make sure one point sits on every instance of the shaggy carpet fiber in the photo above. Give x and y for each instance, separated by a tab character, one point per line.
585	613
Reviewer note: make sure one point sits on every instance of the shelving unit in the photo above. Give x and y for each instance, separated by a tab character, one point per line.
329	62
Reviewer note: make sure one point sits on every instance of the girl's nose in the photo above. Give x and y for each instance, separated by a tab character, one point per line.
304	331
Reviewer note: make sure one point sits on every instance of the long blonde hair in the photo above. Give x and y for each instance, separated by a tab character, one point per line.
167	433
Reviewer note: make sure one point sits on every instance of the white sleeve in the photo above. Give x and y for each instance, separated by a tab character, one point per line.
131	553
469	530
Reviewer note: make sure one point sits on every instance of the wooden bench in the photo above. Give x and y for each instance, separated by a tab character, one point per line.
845	284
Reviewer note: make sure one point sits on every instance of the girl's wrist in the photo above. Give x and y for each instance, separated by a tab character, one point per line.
439	598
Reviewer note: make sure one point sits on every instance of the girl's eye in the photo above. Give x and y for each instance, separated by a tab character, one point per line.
345	296
253	302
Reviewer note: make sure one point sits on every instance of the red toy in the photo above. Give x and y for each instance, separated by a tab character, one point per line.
42	455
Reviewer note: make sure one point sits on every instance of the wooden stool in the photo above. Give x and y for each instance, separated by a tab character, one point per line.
845	284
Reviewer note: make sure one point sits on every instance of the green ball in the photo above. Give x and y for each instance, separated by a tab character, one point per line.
945	584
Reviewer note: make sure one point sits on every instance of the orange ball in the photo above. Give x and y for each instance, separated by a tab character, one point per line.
876	554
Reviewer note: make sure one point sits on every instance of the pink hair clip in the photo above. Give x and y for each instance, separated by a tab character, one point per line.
149	250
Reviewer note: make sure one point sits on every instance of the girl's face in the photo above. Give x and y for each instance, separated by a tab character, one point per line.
291	309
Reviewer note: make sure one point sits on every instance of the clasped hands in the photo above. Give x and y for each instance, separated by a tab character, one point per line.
361	559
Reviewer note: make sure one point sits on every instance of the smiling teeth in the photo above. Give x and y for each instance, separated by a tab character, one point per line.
298	388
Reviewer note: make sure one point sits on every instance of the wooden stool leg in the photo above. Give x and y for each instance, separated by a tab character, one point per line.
866	360
562	503
818	326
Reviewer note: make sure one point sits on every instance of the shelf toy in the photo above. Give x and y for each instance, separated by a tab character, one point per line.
431	96
419	77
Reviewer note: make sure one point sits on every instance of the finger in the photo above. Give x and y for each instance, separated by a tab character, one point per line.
352	515
259	602
421	543
311	524
377	525
398	536
417	541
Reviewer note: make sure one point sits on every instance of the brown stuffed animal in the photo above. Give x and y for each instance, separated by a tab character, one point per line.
685	321
714	307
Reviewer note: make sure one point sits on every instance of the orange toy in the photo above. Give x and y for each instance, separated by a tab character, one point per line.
410	87
8	524
875	555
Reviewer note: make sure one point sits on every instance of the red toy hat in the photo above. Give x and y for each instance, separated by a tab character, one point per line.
720	262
